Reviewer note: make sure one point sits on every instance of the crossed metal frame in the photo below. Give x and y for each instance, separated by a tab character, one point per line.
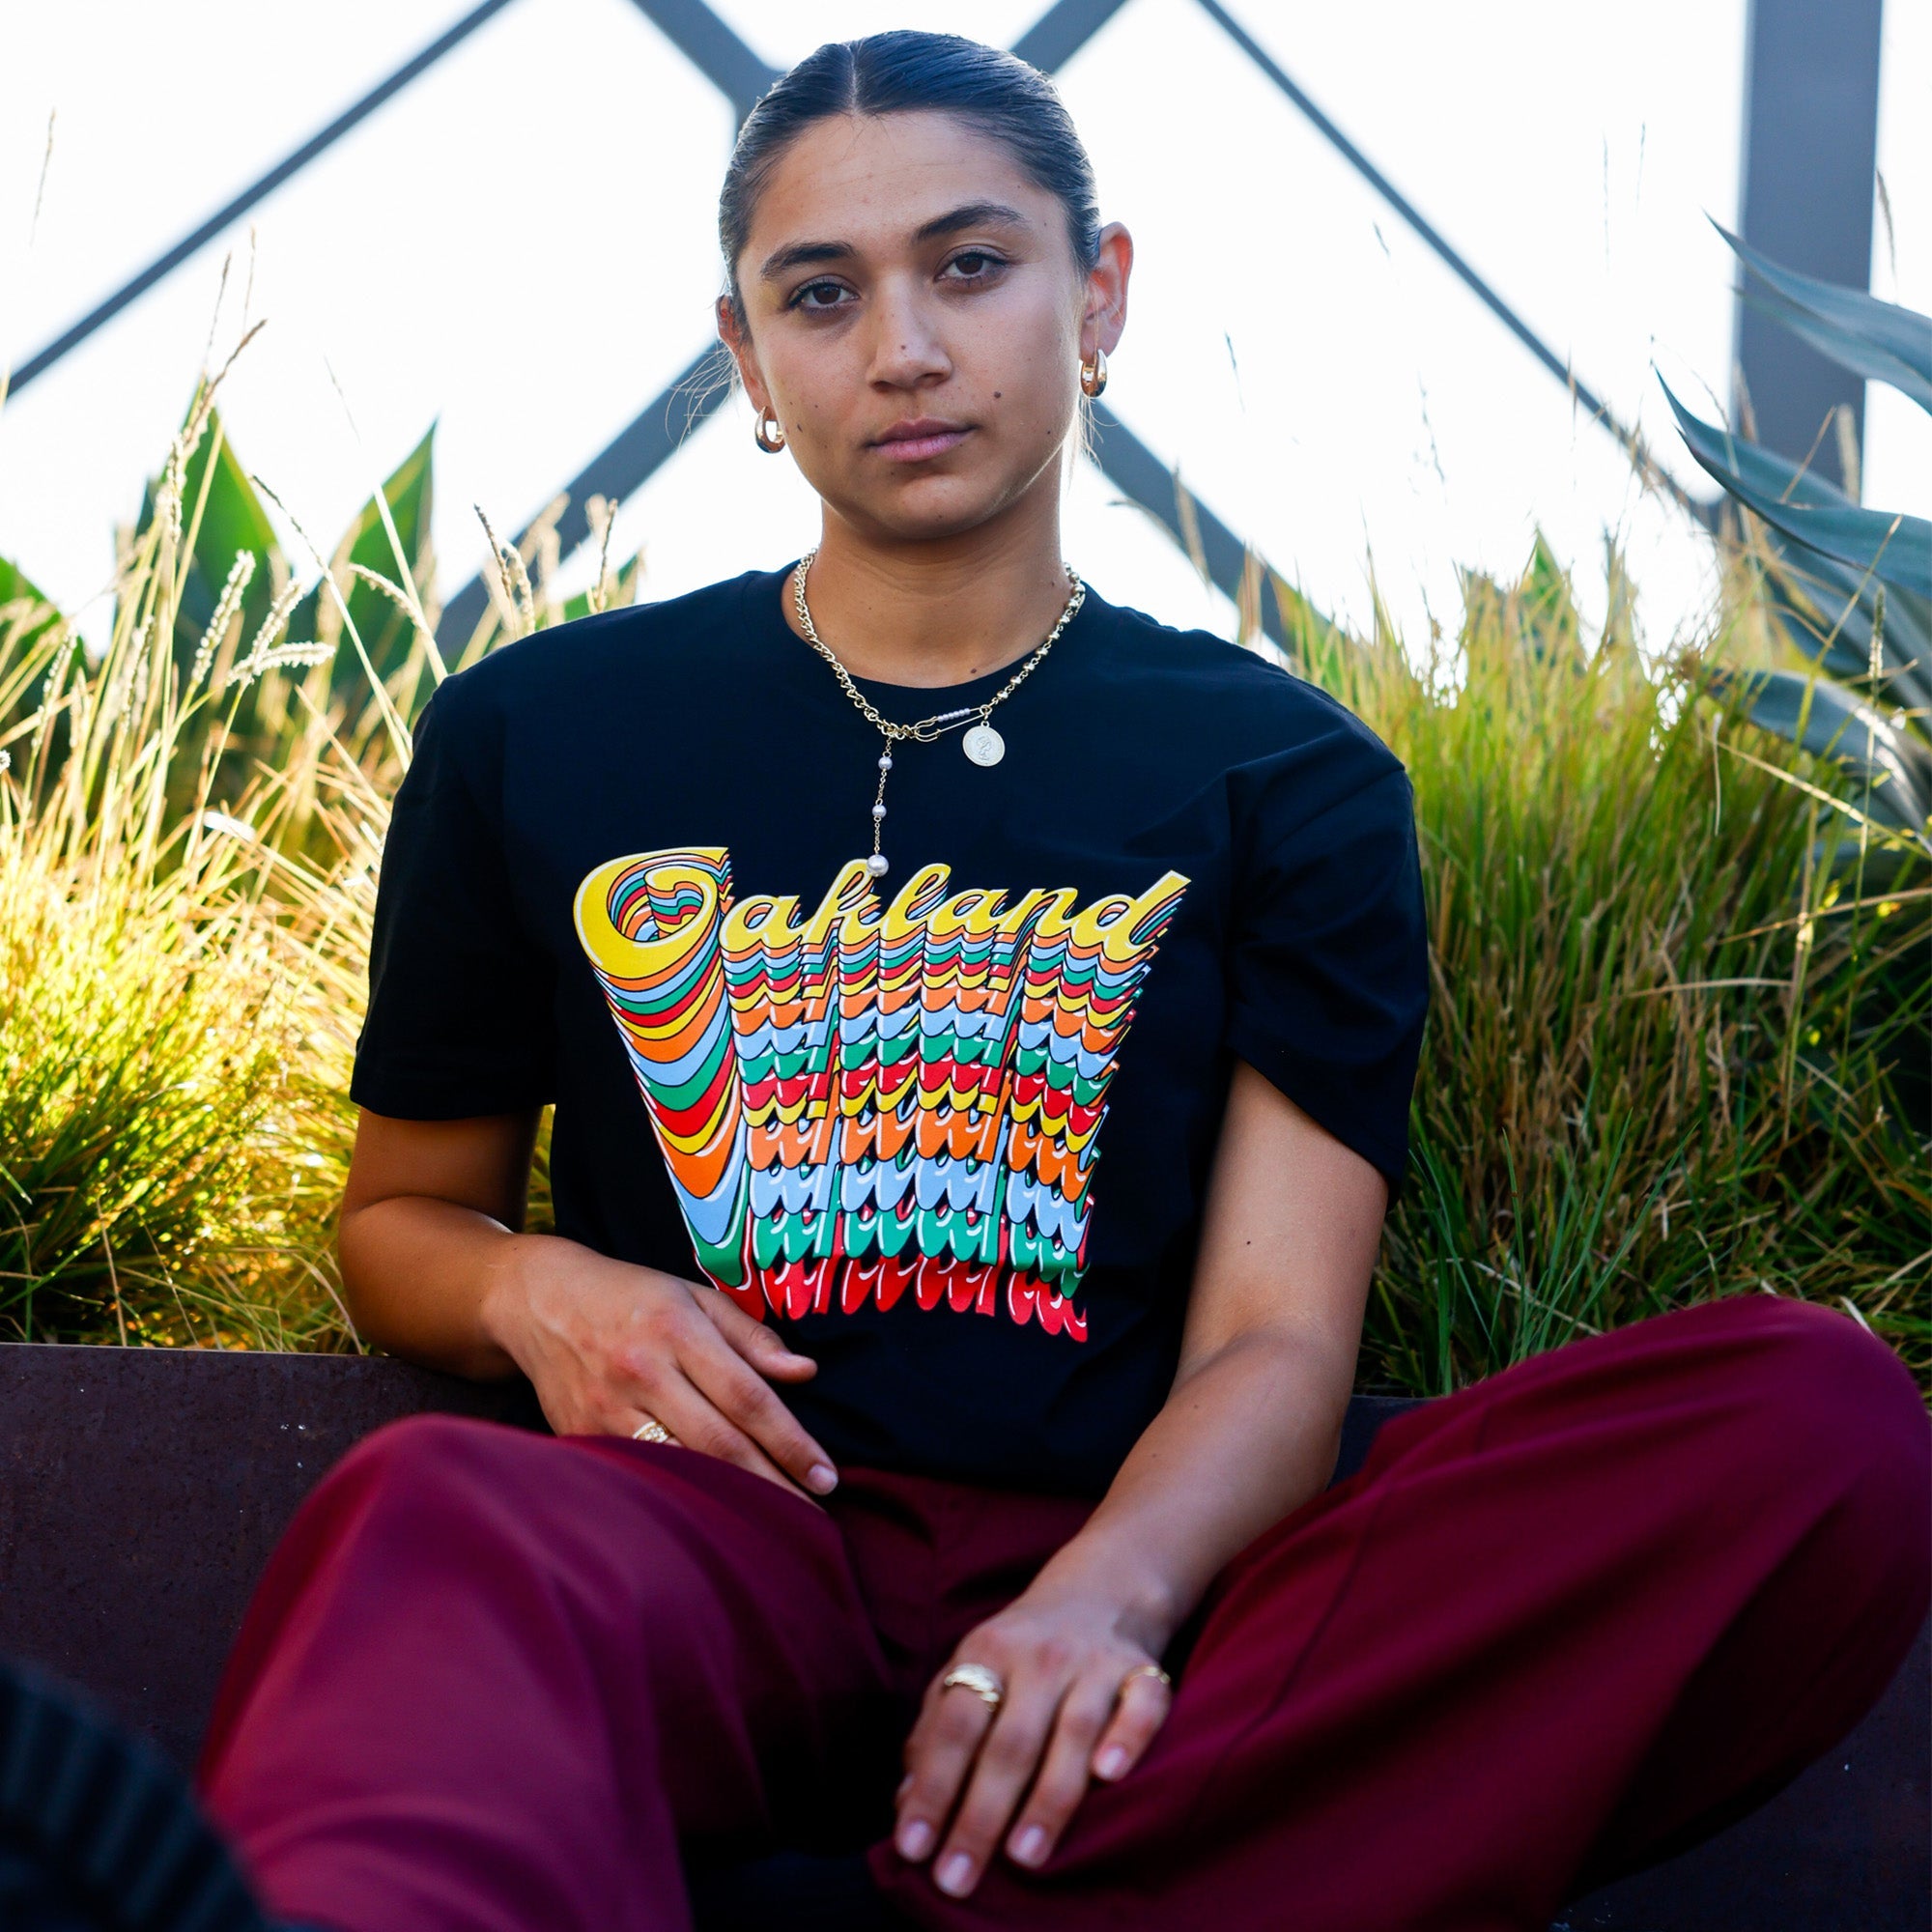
637	452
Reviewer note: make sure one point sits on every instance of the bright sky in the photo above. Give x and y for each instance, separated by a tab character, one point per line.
521	248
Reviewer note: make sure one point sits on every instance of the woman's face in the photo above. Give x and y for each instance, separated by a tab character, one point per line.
916	321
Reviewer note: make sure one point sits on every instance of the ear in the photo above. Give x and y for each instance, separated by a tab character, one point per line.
738	340
1104	313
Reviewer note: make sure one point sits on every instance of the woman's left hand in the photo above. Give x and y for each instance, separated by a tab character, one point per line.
1072	1708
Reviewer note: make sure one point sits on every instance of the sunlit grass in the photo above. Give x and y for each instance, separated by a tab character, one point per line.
1673	1042
165	1173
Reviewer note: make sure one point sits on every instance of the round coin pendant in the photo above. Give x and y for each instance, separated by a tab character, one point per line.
984	745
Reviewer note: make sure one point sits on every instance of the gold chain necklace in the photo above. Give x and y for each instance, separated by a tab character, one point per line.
981	744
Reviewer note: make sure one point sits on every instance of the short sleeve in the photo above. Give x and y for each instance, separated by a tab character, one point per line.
460	1019
1329	967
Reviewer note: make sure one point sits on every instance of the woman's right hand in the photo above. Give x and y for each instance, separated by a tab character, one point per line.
433	1268
608	1345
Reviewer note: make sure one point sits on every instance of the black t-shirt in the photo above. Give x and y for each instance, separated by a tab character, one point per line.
950	1130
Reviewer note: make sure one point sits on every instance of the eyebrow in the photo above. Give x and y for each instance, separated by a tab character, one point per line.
972	214
969	214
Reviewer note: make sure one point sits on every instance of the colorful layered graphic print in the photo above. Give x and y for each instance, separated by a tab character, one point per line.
874	1098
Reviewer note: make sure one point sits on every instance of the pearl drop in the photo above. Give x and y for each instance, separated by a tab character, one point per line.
884	761
877	865
879	809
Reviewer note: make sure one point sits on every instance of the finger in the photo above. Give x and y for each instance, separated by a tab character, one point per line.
764	1347
938	1756
1007	1758
1065	1768
694	1421
1142	1707
749	1404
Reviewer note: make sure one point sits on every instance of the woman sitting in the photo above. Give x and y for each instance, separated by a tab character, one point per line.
981	1023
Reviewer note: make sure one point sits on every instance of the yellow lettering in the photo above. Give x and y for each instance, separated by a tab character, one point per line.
905	917
852	888
973	912
760	921
1042	912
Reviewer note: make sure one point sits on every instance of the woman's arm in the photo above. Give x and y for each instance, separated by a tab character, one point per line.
436	1267
1249	1431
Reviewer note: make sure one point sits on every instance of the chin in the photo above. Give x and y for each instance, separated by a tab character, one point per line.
929	509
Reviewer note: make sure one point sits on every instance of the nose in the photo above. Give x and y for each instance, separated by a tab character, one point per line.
908	350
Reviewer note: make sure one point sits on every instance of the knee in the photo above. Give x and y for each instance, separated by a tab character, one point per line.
1824	1383
1828	1411
442	1466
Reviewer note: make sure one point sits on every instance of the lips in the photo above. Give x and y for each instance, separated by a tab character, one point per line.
920	439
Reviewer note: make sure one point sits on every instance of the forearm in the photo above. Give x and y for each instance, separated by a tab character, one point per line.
428	1279
1249	1433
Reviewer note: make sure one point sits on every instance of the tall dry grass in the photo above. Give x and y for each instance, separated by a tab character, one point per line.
1673	1040
172	1041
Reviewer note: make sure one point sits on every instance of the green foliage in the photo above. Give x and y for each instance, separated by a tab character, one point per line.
1662	1060
221	516
379	568
160	1025
23	609
1850	586
1875	339
1661	1056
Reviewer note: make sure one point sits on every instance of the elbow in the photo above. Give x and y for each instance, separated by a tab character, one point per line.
358	1267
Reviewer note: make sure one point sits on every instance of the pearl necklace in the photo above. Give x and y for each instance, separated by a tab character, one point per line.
981	744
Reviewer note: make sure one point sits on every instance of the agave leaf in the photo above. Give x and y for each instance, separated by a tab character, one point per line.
380	622
1862	359
25	610
1759	467
232	519
1830	612
1829	722
27	652
1869	337
1894	546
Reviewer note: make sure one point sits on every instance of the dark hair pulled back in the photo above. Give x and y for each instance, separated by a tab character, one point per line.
905	73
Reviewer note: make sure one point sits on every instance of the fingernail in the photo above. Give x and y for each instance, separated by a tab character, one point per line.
821	1478
956	1874
914	1838
1112	1761
1031	1845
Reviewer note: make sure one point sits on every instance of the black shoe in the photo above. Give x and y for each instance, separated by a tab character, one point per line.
97	1834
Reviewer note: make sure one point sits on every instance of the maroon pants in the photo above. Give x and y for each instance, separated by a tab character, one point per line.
1559	1624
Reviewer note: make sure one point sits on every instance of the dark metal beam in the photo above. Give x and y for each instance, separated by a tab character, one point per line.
713	50
1593	404
191	244
629	461
1805	192
1062	30
618	469
1136	469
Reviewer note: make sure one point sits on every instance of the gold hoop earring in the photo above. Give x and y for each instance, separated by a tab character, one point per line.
768	433
1094	373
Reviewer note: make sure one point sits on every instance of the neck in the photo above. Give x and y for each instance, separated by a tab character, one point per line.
941	611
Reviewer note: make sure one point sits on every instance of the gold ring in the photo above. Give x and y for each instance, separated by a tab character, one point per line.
983	1684
651	1430
1145	1670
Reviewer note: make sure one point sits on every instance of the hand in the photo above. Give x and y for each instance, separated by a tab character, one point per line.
607	1344
1070	1710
